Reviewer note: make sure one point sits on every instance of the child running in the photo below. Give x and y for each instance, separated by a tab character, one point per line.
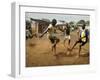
66	29
51	33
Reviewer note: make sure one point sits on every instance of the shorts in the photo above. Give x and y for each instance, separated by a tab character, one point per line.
82	43
53	39
67	37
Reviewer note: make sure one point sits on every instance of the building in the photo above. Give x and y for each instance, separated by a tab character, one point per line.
38	26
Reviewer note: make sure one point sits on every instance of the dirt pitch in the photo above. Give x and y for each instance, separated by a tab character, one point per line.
38	52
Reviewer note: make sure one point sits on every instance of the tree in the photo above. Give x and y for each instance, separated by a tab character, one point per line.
62	21
72	24
81	22
88	23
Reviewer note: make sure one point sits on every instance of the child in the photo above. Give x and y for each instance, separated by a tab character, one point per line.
83	38
28	30
66	29
51	32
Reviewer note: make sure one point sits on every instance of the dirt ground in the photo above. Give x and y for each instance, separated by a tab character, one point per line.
39	53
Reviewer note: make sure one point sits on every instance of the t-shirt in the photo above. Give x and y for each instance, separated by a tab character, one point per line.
83	36
51	31
66	30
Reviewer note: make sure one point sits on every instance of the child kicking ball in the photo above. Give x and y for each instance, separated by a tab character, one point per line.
51	33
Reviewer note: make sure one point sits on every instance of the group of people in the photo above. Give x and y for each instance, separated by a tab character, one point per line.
52	36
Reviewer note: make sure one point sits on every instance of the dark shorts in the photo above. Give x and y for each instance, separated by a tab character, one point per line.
82	43
53	39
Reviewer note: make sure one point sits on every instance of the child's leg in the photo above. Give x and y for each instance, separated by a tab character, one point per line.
65	41
52	42
68	44
69	40
54	45
74	45
79	49
55	48
68	47
82	44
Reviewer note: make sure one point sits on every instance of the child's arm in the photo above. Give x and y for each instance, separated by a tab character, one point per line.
44	33
78	33
59	28
82	37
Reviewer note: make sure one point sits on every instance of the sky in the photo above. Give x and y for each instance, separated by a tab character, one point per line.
65	17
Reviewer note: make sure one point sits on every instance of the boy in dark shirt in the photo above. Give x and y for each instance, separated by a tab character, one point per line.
66	29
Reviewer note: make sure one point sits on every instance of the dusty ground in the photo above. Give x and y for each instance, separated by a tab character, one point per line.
38	53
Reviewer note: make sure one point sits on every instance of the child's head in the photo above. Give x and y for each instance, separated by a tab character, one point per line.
83	26
67	25
54	21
